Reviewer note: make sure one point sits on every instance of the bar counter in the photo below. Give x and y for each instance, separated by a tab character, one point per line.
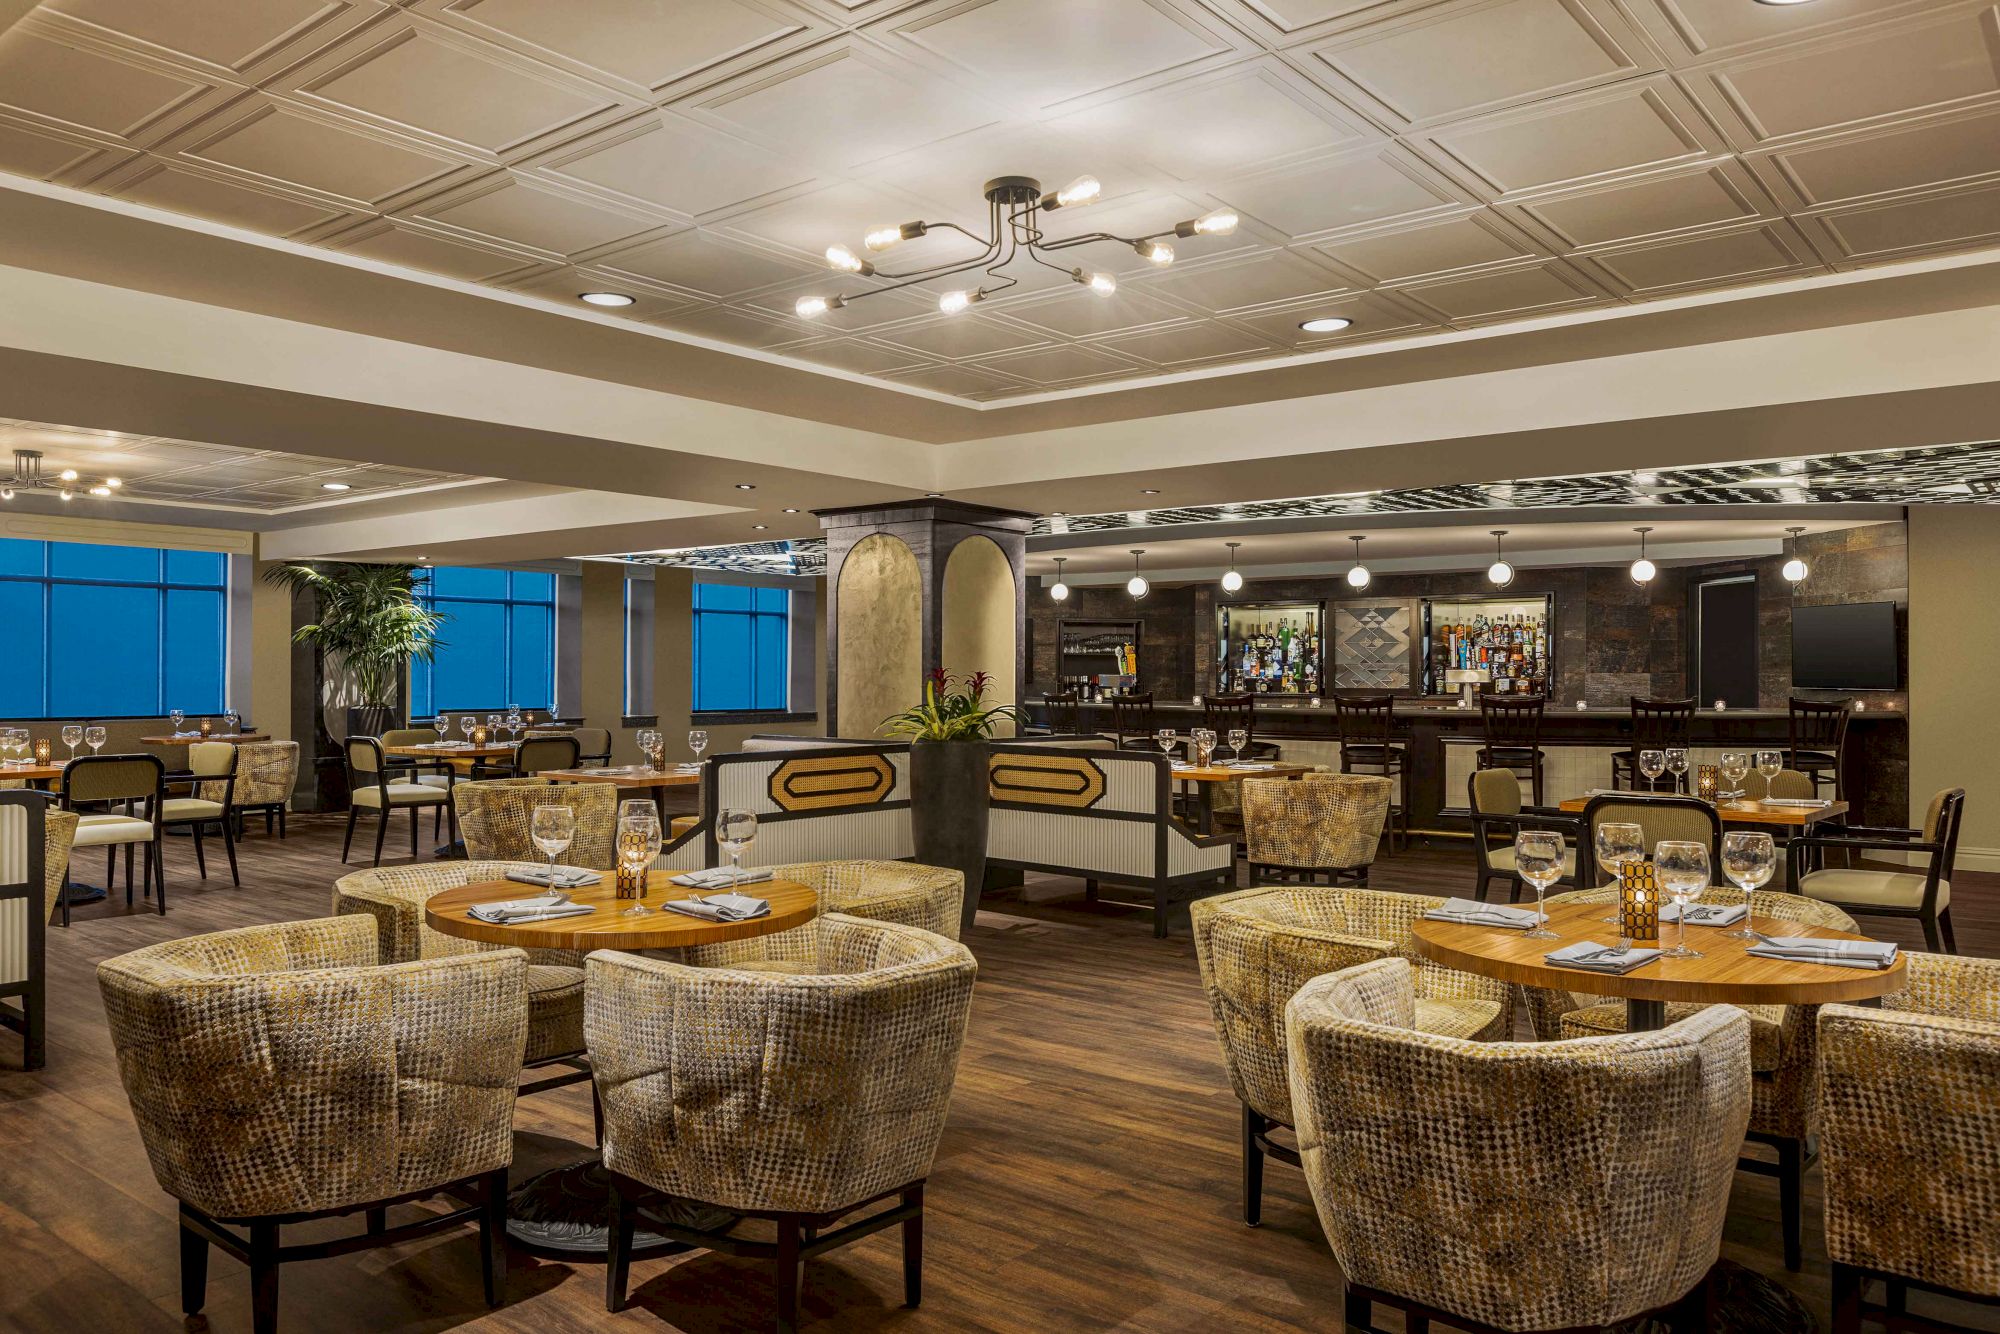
1440	738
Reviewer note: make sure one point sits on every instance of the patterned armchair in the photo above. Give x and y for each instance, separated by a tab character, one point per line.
1317	823
926	897
265	774
34	854
278	1074
798	1099
1782	1040
1257	947
1431	1165
1909	1115
494	815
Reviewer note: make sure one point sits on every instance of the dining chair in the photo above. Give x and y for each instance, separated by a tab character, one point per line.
1662	818
266	772
1921	890
120	781
1223	714
1365	726
1493	796
370	787
1133	721
439	773
211	765
1318	824
1512	740
496	818
593	747
34	852
533	754
1063	713
1818	741
1657	724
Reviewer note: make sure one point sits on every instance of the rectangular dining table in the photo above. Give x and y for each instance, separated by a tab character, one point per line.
631	777
1207	777
1750	812
190	738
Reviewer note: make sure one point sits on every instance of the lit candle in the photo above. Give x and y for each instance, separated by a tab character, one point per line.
1704	782
1638	904
479	736
207	726
42	750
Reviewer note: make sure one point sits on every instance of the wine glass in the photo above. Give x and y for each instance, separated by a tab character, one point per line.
94	737
648	739
1618	844
179	717
638	845
1165	738
552	828
1538	857
515	722
443	725
1748	860
1677	765
493	726
72	733
233	719
1735	768
465	722
1239	741
1204	746
697	742
1652	763
1683	870
734	830
1770	763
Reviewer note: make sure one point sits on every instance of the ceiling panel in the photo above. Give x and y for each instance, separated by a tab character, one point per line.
646	42
37	155
1373	315
1476	240
1770	250
204	196
1933	222
508	209
280	144
675	164
1508	294
697	262
1644	125
72	86
231	33
1259	280
392	244
1179	344
1652	207
1957	150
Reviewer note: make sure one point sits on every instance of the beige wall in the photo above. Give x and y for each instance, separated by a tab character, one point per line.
270	704
1954	650
880	657
601	638
978	632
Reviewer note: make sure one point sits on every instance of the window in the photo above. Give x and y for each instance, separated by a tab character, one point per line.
101	631
498	644
742	641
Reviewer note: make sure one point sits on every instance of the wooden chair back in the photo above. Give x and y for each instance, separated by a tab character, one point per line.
1658	724
1132	717
1065	714
1819	726
1222	714
1512	722
1367	721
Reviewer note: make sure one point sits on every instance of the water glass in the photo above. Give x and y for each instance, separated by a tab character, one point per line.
697	742
72	734
233	720
443	725
734	831
1204	746
1735	768
514	720
552	828
179	717
638	845
1538	858
1652	763
1677	765
94	738
647	738
1683	869
1239	741
1770	763
1165	738
466	723
1618	844
1749	860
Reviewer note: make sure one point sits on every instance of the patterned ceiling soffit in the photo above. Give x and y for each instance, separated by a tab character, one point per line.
804	557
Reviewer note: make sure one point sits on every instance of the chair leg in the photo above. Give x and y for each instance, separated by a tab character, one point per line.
1253	1168
493	1236
229	847
618	1249
1159	913
1847	1286
788	1275
414	813
281	822
1950	936
913	1248
1791	1180
1090	891
158	853
128	876
381	832
200	858
348	842
1358	1313
111	874
194	1269
264	1278
1932	942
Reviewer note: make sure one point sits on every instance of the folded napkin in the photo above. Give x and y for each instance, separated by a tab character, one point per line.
720	877
1247	764
1592	957
1706	914
566	877
1799	803
1816	949
541	907
722	907
1473	913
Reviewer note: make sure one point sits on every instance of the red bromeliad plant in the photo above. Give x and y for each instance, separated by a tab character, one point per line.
954	709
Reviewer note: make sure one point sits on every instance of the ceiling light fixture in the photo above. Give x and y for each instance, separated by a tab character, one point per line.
1059	591
28	477
606	298
746	486
1149	490
1358	578
1232	582
335	486
1499	573
1014	209
1643	570
790	510
1327	324
1137	585
759	527
1795	570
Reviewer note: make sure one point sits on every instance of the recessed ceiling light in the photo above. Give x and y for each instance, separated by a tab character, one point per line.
1782	2
605	298
1149	490
1326	324
335	486
933	495
790	510
746	486
759	527
1059	514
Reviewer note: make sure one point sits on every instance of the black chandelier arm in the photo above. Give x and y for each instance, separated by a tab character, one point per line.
1035	256
1069	241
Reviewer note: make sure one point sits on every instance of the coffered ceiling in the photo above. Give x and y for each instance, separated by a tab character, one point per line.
1412	166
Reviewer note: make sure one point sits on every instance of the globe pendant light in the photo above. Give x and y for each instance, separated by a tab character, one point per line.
1059	591
1643	570
1137	585
1795	570
1232	582
1358	578
1499	573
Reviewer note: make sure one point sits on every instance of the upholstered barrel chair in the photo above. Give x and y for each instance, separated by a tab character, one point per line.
798	1098
494	816
927	897
393	897
1316	824
1781	1047
1909	1116
1509	1186
1257	947
266	772
279	1073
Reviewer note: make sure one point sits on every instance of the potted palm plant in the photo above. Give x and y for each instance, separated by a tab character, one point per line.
949	734
369	628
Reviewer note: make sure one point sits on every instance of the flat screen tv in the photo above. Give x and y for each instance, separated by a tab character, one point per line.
1847	646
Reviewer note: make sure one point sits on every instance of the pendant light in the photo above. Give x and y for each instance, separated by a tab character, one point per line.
1059	591
1795	570
1499	573
1137	585
1643	570
1358	578
1232	582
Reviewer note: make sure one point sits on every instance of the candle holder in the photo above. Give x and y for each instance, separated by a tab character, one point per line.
42	750
207	727
1638	904
479	736
630	881
1704	782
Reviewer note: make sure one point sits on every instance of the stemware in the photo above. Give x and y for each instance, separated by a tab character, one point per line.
443	725
94	737
72	734
1204	746
465	724
1538	857
1165	738
179	717
1748	859
493	726
1677	765
649	741
734	830
638	845
1239	740
1652	763
552	828
697	742
1735	768
516	724
1683	870
1617	844
1770	763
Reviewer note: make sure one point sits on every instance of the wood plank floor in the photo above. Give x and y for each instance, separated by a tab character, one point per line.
1087	1180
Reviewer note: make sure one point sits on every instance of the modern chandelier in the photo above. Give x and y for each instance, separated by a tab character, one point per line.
1015	205
28	477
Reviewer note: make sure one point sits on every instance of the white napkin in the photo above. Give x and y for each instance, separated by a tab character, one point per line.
541	907
720	877
566	877
1798	803
1816	949
1706	914
1473	913
722	907
1595	958
1252	765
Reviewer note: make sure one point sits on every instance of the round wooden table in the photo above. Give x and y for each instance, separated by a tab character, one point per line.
1723	973
608	928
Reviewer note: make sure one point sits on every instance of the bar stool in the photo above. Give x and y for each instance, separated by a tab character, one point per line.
1819	740
1366	727
1132	721
1223	714
1063	714
1657	724
1513	736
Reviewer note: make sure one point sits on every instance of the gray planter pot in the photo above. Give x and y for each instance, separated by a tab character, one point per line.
948	787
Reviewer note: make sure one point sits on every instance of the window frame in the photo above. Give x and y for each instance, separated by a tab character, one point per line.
428	598
753	614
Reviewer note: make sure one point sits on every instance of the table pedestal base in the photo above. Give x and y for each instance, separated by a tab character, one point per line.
566	1212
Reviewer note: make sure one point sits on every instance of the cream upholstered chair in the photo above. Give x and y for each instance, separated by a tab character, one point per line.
212	765
494	815
372	786
1786	783
1316	824
1781	1048
1506	1186
532	754
279	1074
1257	947
266	771
1909	1117
593	746
394	896
1493	797
34	853
797	1098
125	783
1922	891
926	897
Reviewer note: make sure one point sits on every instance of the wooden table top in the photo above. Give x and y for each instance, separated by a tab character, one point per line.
1724	973
188	739
608	928
1753	812
34	773
1217	773
452	751
634	775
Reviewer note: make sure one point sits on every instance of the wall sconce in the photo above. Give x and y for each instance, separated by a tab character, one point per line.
1638	904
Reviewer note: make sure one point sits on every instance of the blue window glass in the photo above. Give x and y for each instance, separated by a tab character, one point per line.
81	560
499	644
205	568
106	640
21	671
454	582
742	641
22	557
196	622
